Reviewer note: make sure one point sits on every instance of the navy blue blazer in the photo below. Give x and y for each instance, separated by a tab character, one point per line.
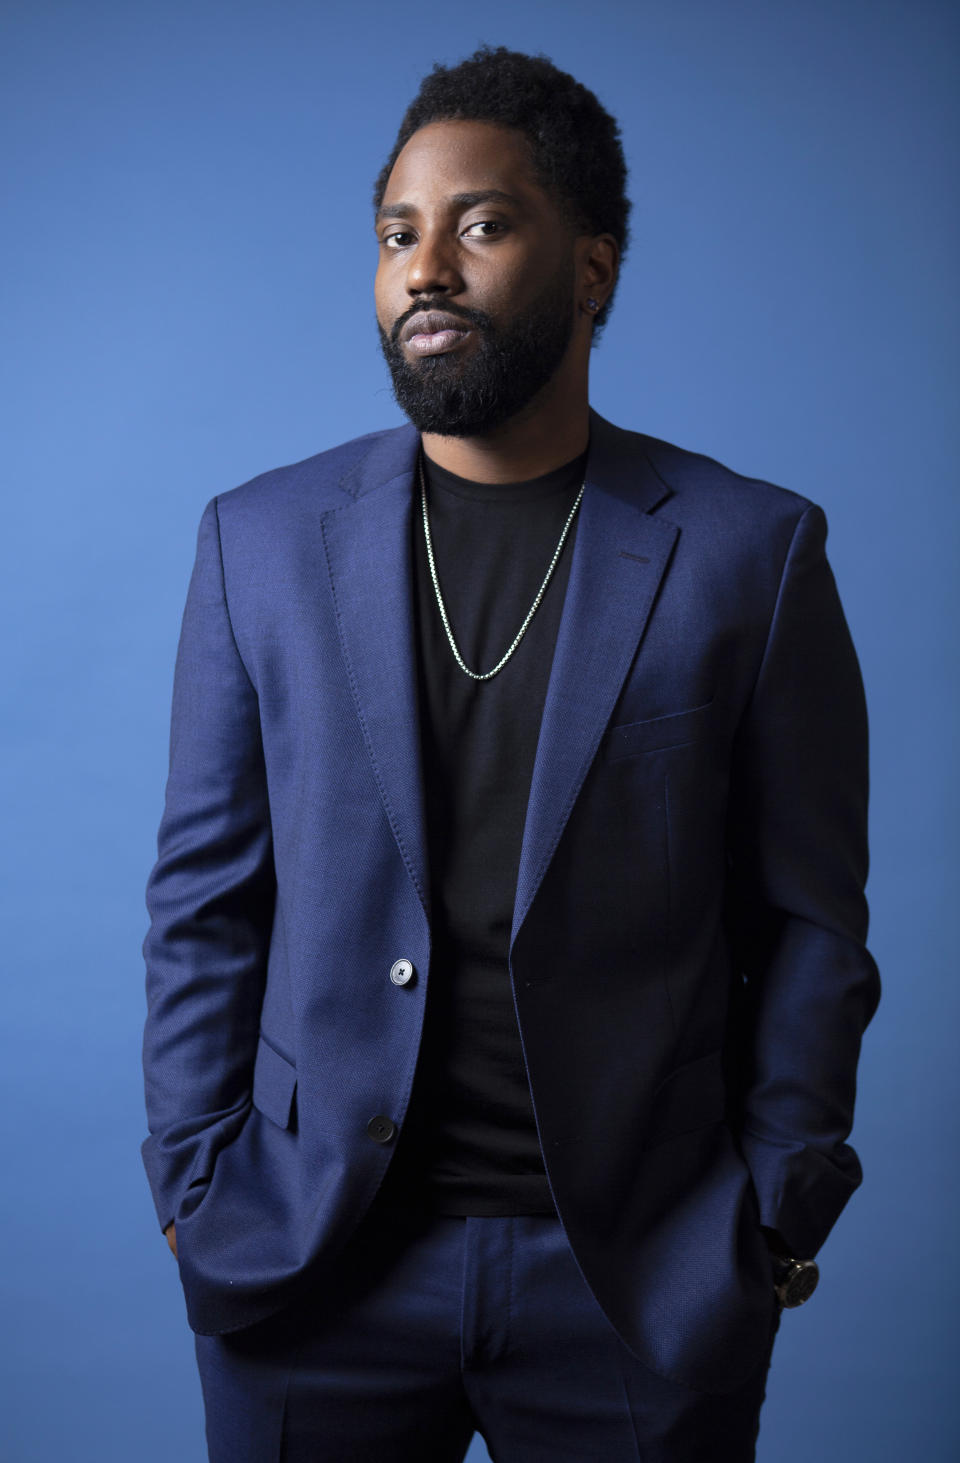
687	955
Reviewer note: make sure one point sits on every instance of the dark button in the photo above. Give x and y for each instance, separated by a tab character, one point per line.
381	1129
402	972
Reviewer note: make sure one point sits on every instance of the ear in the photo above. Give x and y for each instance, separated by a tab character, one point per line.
598	262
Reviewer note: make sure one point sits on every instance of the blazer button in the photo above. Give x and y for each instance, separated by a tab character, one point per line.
402	972
381	1129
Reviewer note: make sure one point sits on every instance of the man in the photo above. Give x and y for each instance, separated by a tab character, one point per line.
506	970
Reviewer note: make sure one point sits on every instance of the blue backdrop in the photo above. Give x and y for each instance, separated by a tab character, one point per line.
187	269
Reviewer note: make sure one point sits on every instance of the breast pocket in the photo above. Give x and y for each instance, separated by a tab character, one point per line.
659	733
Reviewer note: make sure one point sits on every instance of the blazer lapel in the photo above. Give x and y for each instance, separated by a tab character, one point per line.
620	556
369	552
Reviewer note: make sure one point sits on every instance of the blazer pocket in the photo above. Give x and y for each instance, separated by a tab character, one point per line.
274	1085
659	733
693	1096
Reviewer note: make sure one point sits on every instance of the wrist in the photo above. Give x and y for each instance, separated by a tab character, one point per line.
794	1280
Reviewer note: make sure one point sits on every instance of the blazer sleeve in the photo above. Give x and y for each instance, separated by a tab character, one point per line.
210	896
798	869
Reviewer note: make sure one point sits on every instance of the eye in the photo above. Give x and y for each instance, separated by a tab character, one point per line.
485	228
396	239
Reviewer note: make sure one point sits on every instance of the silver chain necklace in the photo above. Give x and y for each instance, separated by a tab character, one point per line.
488	675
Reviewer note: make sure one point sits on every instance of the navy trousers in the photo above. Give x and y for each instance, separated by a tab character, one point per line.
437	1327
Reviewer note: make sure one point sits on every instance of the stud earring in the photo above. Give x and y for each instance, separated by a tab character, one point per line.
593	305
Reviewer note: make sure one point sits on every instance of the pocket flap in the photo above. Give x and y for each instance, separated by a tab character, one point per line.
274	1083
659	732
693	1096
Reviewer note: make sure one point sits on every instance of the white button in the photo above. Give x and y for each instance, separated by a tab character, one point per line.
402	972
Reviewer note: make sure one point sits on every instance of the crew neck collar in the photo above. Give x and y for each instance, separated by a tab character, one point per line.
558	480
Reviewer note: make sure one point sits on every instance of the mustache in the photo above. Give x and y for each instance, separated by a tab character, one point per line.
478	318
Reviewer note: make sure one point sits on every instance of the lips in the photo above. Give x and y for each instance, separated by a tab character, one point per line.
432	332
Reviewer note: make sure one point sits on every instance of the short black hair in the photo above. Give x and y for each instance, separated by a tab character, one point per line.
575	143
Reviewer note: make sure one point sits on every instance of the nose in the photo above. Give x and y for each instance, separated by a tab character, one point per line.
433	267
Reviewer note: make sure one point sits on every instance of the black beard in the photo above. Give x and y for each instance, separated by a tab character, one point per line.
453	396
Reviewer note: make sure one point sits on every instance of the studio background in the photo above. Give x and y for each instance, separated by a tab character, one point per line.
187	276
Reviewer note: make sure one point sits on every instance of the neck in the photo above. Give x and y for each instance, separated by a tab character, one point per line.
552	430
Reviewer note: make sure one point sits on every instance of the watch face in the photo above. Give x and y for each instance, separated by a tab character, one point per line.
800	1284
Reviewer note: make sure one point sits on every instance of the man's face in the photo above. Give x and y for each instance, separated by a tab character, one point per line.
475	281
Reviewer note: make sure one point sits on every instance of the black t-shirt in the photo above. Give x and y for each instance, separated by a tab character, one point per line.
469	1144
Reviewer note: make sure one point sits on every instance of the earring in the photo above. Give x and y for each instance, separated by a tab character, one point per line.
593	305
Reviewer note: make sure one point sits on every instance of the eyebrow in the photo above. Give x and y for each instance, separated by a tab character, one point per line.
458	200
